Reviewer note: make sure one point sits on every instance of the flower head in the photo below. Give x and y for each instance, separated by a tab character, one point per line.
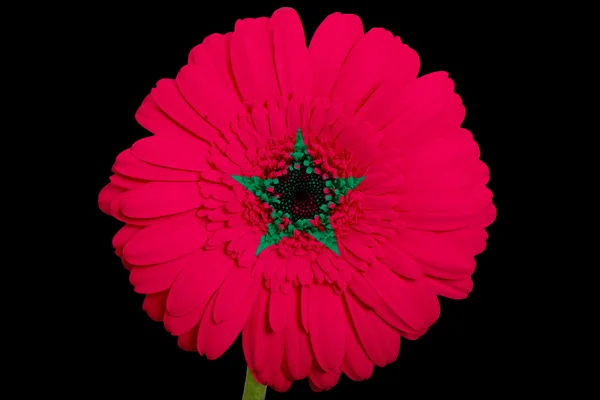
317	199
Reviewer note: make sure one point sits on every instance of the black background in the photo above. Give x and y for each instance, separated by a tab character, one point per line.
466	354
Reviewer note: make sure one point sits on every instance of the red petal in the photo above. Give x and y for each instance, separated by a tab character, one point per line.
181	324
155	305
356	364
263	348
411	300
329	47
232	294
187	341
327	326
281	309
376	337
171	101
166	240
297	354
129	166
252	60
290	53
157	199
322	380
159	277
172	152
198	281
215	338
364	68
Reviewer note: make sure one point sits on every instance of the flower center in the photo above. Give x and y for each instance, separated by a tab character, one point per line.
300	194
302	198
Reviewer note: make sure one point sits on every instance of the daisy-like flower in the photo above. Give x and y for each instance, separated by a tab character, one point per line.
317	200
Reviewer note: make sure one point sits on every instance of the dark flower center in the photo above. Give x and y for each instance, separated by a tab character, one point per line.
301	195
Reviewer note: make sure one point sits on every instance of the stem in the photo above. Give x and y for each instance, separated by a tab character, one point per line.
252	389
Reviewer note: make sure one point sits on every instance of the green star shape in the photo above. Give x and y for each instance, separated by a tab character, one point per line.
262	189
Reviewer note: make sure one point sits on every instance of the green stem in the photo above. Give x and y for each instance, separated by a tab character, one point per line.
252	389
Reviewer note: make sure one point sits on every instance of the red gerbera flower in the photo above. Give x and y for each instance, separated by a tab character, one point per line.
317	200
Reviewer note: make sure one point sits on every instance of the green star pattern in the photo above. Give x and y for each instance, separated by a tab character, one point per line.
264	189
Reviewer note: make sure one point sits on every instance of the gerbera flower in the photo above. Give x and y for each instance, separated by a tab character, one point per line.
317	200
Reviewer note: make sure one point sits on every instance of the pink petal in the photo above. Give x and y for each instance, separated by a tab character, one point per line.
166	240
322	380
362	140
215	338
232	294
169	98
353	243
364	68
141	222
324	262
208	84
217	191
243	243
420	107
305	272
472	239
228	234
385	103
304	307
353	260
154	119
126	182
400	263
377	202
155	305
453	289
412	300
252	60
122	237
327	326
279	382
263	348
107	195
178	325
160	277
297	354
363	291
204	90
277	121
443	221
172	152
450	260
329	48
375	335
187	341
126	164
456	176
291	55
215	50
157	199
224	164
454	148
281	309
260	119
317	117
356	364
212	176
294	115
443	210
198	281
266	257
247	258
